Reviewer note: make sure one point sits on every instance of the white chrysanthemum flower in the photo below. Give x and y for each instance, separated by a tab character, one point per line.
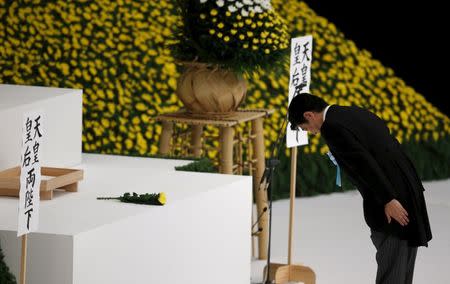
232	9
266	6
256	6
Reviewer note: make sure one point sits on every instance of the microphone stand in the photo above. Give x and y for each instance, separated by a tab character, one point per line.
267	177
290	272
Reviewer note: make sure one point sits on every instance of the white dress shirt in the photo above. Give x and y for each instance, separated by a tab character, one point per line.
325	112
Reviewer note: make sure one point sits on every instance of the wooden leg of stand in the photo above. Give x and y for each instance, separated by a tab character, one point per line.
46	195
252	229
166	136
226	157
260	195
196	140
71	187
283	273
299	273
273	270
23	260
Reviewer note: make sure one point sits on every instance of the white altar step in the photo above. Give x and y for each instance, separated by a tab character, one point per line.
201	235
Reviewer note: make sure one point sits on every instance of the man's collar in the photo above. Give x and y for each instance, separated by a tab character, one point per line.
325	112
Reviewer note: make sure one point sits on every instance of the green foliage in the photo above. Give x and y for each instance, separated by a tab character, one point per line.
239	40
5	275
316	174
203	165
431	158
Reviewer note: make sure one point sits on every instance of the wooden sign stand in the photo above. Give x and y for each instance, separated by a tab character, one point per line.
59	178
283	273
23	260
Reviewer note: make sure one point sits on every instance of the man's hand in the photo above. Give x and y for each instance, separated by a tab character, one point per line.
393	209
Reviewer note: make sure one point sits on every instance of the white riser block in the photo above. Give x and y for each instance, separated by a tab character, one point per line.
63	123
202	239
202	234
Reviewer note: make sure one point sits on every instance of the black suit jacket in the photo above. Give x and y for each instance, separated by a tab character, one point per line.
376	164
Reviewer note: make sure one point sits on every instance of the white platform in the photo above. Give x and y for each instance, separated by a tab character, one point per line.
330	236
63	118
201	235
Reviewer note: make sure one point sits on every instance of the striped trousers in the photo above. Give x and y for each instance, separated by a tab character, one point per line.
395	259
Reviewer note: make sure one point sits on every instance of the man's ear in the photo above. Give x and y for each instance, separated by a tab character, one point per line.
308	115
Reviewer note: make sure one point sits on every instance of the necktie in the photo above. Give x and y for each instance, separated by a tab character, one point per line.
338	169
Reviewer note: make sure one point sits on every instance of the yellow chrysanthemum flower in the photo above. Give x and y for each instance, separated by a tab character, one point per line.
162	198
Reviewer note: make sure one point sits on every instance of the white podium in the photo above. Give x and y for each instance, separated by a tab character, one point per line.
63	123
202	234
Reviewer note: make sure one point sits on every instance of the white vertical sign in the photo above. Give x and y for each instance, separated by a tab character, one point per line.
299	80
30	174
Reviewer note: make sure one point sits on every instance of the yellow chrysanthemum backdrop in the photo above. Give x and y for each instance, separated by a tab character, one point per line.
116	51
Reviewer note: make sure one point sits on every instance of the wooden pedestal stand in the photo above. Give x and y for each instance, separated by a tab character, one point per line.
283	273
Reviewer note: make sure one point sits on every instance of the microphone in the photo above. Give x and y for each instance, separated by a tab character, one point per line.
257	232
259	217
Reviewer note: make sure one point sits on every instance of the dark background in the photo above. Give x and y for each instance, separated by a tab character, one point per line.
408	36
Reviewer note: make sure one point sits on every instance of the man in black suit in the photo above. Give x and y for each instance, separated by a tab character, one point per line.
373	160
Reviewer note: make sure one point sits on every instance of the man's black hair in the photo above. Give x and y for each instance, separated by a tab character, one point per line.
302	103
